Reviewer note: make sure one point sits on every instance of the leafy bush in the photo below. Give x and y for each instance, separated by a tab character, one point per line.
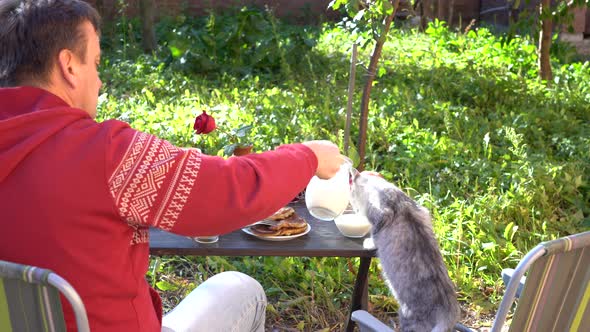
246	42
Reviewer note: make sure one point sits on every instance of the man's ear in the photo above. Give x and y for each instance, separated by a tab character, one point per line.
67	66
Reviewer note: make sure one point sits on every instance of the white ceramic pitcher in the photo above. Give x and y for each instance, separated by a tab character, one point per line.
327	199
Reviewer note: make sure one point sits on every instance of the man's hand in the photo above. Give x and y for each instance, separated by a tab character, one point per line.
329	158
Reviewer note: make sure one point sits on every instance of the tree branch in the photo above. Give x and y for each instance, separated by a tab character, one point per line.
369	84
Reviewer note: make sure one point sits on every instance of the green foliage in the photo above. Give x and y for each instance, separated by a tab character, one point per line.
238	137
246	42
364	19
459	121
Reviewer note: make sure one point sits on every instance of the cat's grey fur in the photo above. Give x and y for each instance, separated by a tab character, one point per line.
409	254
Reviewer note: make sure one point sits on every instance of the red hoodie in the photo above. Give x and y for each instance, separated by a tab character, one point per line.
78	197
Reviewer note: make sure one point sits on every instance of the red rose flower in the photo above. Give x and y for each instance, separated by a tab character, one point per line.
204	123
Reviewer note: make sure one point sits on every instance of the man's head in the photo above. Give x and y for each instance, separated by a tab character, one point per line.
52	44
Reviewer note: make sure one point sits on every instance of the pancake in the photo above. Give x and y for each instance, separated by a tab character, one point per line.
284	222
282	213
264	230
293	221
292	231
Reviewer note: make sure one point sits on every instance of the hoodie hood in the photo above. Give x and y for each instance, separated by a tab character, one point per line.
28	117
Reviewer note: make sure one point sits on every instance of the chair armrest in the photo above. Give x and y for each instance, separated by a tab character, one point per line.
368	323
507	275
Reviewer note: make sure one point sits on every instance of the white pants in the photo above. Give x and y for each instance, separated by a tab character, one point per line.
226	302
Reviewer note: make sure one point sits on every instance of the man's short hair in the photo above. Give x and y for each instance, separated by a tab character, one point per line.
33	32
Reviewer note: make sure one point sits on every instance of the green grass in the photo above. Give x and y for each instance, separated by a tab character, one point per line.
458	120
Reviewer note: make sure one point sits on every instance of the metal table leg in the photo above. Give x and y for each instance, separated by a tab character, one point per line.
360	292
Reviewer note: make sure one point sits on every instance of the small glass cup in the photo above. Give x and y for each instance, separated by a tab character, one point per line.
326	199
207	239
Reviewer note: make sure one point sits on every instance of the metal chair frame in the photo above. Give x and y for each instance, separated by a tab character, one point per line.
63	287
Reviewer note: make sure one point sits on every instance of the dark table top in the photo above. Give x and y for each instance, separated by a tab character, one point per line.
324	240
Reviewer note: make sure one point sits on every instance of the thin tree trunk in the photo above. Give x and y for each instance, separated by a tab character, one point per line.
99	5
369	85
444	8
148	13
545	41
351	80
451	13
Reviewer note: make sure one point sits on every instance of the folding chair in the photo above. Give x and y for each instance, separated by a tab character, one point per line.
556	293
30	301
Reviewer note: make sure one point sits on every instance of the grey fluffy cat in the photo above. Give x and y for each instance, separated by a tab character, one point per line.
409	254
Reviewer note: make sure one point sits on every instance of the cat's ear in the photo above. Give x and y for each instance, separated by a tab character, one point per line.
357	184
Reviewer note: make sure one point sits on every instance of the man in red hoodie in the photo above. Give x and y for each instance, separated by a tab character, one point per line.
79	197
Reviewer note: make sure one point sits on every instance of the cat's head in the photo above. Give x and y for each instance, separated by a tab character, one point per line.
367	194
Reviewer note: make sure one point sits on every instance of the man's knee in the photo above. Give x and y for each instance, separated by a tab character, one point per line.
228	301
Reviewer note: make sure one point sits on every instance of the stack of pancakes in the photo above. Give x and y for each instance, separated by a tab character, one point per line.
282	223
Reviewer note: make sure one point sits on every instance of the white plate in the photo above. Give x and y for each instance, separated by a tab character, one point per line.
277	238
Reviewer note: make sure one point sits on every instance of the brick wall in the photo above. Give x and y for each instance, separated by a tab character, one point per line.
305	11
310	11
580	23
500	11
